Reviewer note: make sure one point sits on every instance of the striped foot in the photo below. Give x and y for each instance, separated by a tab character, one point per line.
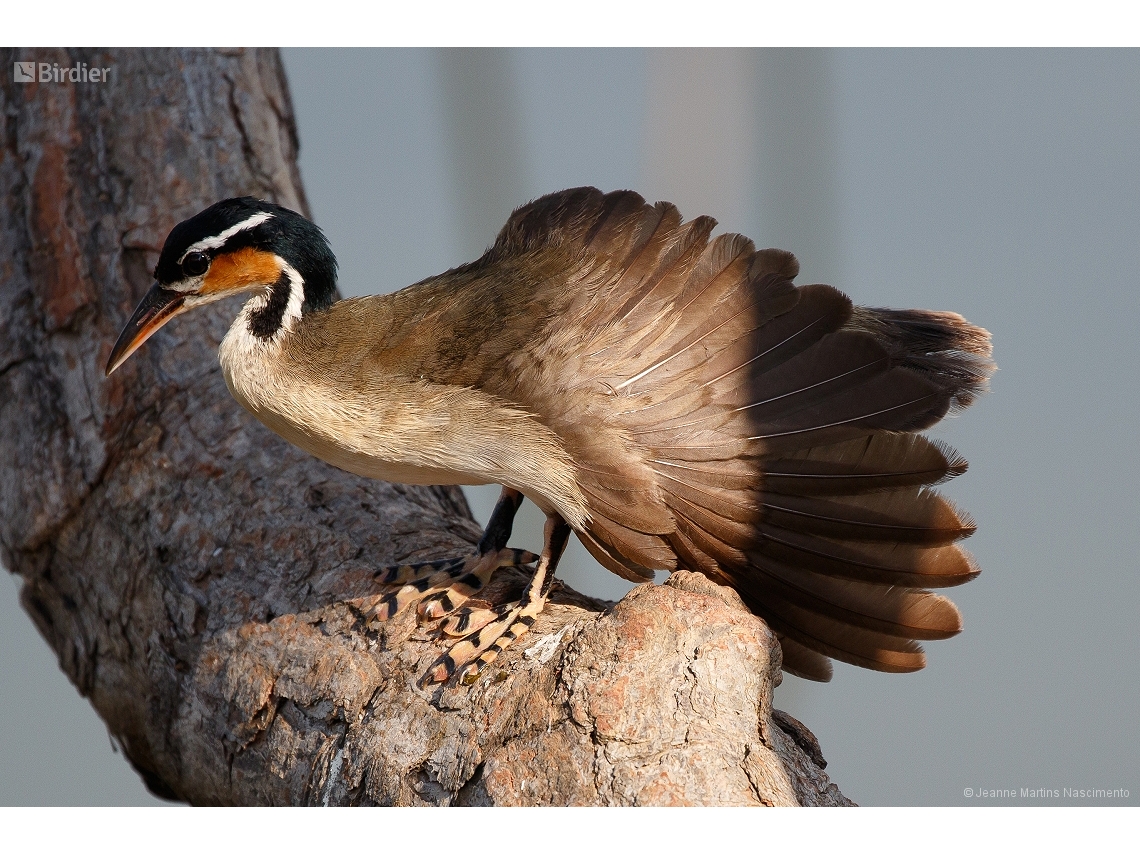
491	631
466	620
471	654
442	586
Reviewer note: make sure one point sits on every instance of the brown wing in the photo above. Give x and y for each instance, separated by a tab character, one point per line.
729	422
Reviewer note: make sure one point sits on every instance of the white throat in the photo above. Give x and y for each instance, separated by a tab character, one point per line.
244	354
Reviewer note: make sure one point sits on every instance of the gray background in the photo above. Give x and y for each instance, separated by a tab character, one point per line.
999	184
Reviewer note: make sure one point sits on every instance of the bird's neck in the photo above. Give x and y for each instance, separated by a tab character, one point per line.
370	418
256	337
274	312
278	308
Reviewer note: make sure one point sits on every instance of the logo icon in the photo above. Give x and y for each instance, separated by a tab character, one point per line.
24	72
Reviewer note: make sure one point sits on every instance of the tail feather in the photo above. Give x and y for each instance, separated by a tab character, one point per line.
805	662
942	346
909	516
870	463
901	612
834	638
884	563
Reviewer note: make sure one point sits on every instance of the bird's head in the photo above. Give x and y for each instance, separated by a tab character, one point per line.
236	246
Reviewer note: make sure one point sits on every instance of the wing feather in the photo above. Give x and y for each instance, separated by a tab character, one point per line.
727	421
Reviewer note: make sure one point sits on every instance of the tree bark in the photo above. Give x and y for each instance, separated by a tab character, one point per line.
207	586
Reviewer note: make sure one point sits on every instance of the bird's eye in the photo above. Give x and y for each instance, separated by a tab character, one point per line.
195	264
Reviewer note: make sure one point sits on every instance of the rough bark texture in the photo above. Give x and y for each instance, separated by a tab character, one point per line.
206	585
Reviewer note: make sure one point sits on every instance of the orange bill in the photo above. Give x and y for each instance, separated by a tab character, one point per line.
157	307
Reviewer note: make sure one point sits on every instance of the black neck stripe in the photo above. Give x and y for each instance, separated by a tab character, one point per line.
266	321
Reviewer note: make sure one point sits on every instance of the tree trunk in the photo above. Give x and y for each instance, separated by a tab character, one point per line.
207	585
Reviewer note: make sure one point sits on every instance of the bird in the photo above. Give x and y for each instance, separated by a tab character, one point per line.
671	398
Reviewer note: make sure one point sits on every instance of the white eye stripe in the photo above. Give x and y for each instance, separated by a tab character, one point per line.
185	285
219	240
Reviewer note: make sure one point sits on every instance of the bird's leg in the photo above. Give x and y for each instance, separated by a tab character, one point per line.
468	656
444	584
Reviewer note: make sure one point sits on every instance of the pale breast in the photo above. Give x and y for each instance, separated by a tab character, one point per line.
396	429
